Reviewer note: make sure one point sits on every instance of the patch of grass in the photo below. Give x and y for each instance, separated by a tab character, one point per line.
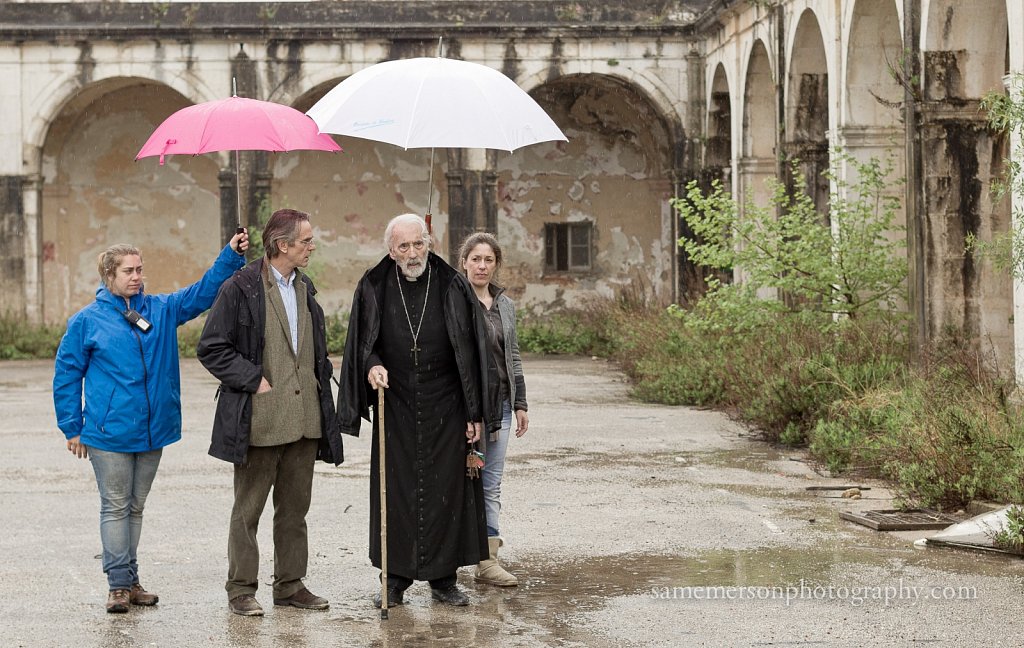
20	340
566	332
1011	537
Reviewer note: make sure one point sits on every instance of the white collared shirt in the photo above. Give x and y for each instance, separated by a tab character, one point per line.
287	287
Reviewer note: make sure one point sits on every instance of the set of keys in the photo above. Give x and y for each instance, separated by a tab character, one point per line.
474	462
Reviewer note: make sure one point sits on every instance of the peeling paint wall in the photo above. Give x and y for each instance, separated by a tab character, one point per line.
95	195
350	197
95	87
612	173
961	160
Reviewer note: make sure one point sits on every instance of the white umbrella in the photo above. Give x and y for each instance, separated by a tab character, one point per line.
434	103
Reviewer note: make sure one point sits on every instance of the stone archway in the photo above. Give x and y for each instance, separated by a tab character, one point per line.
718	153
874	96
758	161
872	113
94	194
807	109
590	216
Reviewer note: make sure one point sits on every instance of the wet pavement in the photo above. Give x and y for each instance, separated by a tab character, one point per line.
628	525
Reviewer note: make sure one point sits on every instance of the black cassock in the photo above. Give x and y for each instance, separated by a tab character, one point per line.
435	512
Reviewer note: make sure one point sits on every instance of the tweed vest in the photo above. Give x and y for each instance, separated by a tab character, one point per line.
291	409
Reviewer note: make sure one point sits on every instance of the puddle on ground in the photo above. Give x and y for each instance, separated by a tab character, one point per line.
545	609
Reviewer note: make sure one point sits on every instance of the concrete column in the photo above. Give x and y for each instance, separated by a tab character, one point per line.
961	157
1016	92
246	164
228	204
471	196
32	191
754	173
884	143
12	246
261	190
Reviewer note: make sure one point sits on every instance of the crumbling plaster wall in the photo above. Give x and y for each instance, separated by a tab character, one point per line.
92	107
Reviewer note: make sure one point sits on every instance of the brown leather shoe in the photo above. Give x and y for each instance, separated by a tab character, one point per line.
245	605
139	596
304	599
118	601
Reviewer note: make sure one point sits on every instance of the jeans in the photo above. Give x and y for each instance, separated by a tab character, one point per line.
124	480
494	466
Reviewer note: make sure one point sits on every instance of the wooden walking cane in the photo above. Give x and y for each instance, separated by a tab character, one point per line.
383	506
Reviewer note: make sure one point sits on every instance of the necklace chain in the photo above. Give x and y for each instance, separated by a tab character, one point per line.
408	320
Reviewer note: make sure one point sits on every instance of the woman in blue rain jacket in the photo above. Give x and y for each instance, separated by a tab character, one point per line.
117	395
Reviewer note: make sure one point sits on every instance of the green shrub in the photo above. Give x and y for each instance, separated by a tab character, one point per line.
566	332
337	333
1011	537
945	433
20	340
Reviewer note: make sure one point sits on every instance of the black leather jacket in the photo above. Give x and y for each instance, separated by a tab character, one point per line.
465	331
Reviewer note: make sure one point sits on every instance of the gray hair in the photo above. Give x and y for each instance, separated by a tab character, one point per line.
109	260
405	219
283	225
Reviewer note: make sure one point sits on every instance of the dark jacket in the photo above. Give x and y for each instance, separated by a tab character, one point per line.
465	331
231	348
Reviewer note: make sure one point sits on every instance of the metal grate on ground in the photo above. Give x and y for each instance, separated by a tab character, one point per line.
900	520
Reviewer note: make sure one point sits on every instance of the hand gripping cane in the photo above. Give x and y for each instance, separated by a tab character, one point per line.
383	506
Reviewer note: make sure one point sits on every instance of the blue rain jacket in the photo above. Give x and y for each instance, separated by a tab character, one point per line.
132	387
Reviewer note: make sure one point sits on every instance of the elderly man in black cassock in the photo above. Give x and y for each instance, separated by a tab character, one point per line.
414	330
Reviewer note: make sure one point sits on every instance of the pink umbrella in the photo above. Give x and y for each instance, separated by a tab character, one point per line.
235	124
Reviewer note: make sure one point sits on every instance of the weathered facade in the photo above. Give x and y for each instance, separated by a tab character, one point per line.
650	95
896	79
85	83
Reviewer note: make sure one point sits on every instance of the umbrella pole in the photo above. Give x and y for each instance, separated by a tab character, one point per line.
383	507
238	176
238	195
430	191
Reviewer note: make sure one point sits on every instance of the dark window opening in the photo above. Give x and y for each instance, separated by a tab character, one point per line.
567	246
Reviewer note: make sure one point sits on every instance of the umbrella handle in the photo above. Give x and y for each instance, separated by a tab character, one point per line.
167	144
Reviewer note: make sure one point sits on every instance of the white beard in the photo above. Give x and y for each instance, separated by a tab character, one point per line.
412	273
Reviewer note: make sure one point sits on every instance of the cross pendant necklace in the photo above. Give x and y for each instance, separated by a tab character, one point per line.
415	333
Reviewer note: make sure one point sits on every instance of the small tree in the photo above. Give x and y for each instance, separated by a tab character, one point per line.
853	266
1006	114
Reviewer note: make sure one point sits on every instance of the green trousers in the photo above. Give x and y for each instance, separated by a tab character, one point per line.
288	470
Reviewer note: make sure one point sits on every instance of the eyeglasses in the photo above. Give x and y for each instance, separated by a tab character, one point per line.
307	243
417	245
